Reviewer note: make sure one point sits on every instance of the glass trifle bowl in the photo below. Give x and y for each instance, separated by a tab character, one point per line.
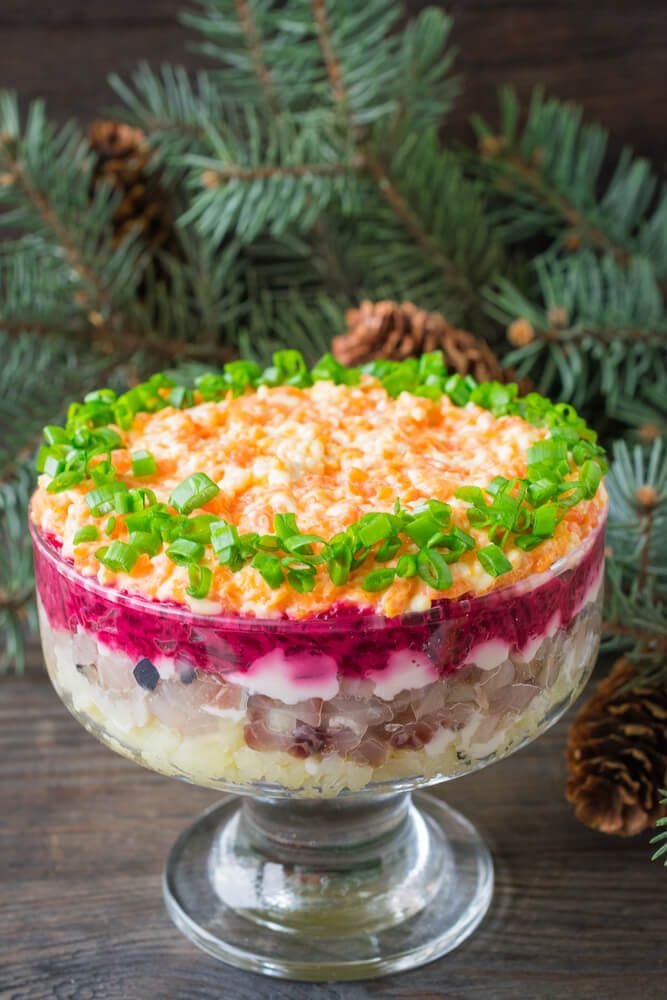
321	705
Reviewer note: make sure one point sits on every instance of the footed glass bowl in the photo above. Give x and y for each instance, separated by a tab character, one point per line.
321	865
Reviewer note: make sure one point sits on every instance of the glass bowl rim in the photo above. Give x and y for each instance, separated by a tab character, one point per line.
337	616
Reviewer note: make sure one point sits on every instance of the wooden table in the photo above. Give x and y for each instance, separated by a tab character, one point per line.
84	835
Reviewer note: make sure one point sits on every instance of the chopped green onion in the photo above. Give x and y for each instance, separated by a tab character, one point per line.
433	569
338	559
193	492
241	375
590	475
541	491
374	528
458	389
102	500
183	551
223	535
52	465
55	435
269	568
124	503
226	545
378	579
102	472
269	543
200	579
388	549
138	522
65	480
248	544
301	544
143	464
406	567
439	511
88	533
473	495
110	526
547	459
301	580
327	368
494	560
119	557
545	520
422	528
528	542
198	528
285	526
180	397
145	541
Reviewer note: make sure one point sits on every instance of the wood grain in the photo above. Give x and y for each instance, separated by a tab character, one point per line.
611	57
84	835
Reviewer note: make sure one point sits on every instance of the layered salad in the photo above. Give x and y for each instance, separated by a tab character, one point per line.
317	580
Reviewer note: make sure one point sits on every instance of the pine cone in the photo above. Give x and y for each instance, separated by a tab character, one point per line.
617	755
399	330
122	158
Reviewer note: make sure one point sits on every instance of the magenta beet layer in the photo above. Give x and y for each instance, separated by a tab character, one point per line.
348	641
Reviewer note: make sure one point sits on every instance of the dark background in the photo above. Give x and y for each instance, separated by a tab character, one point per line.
610	56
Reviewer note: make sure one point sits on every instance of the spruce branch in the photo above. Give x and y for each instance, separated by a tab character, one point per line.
265	52
374	150
590	329
16	581
660	838
47	191
547	176
636	601
251	34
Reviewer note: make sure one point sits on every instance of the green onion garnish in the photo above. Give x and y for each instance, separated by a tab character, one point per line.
200	579
374	528
285	526
184	551
88	533
119	556
198	528
269	568
65	481
563	468
145	541
102	500
378	579
590	475
301	580
422	528
494	560
433	569
193	492
388	549
180	397
227	545
143	464
406	567
545	520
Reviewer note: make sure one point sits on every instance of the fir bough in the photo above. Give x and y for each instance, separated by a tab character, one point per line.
308	169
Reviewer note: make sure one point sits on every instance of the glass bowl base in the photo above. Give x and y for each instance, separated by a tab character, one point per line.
329	890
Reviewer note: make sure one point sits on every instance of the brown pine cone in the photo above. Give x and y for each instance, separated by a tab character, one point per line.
122	158
617	755
399	330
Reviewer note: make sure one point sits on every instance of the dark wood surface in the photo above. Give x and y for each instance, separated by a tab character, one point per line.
611	56
84	833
